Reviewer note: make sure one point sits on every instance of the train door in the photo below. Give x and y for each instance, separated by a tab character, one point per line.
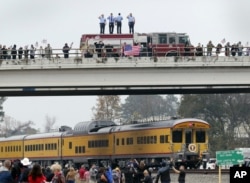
188	137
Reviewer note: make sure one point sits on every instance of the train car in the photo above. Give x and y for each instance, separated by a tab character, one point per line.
185	140
11	147
43	148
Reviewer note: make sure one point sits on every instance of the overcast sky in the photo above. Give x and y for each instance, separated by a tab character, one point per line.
25	22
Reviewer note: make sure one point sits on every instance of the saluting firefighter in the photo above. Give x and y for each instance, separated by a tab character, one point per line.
111	19
102	23
131	23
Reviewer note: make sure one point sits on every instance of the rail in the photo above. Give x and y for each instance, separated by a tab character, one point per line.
93	56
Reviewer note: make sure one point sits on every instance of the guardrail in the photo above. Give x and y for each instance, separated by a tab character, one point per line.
93	55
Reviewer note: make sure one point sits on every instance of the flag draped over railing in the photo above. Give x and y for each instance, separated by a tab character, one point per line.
130	50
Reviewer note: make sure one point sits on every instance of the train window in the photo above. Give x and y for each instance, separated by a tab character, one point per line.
42	147
138	140
92	144
55	146
37	147
164	139
123	142
76	149
117	142
96	143
107	143
200	136
6	149
155	139
177	136
70	145
144	140
16	148
130	141
1	149
46	146
19	148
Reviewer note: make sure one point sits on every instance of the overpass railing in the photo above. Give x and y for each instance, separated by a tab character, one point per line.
94	56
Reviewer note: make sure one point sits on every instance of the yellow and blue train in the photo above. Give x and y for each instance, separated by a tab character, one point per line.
185	140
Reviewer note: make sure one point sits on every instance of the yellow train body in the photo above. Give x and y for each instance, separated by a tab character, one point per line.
96	141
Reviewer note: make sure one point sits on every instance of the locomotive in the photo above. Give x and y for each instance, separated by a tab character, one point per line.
184	140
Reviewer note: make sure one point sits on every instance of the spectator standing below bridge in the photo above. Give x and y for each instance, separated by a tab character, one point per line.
58	175
131	23
5	174
181	172
102	23
81	174
118	21
70	177
25	163
93	172
66	49
36	175
111	19
163	173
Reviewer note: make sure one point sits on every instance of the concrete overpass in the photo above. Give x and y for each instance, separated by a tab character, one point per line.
90	76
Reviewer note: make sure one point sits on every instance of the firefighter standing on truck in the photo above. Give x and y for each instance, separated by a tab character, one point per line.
111	19
102	23
131	23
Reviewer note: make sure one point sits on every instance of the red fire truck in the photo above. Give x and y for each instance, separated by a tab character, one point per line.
152	44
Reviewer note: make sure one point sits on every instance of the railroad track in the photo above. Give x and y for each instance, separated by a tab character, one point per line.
199	171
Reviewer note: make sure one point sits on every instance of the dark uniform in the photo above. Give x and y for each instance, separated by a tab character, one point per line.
163	173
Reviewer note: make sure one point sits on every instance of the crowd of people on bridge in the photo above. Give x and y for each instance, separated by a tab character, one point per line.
32	52
101	50
236	49
24	171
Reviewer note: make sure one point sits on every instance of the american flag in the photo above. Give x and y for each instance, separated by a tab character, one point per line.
131	50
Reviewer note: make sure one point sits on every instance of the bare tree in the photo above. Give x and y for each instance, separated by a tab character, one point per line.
50	122
107	108
11	126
